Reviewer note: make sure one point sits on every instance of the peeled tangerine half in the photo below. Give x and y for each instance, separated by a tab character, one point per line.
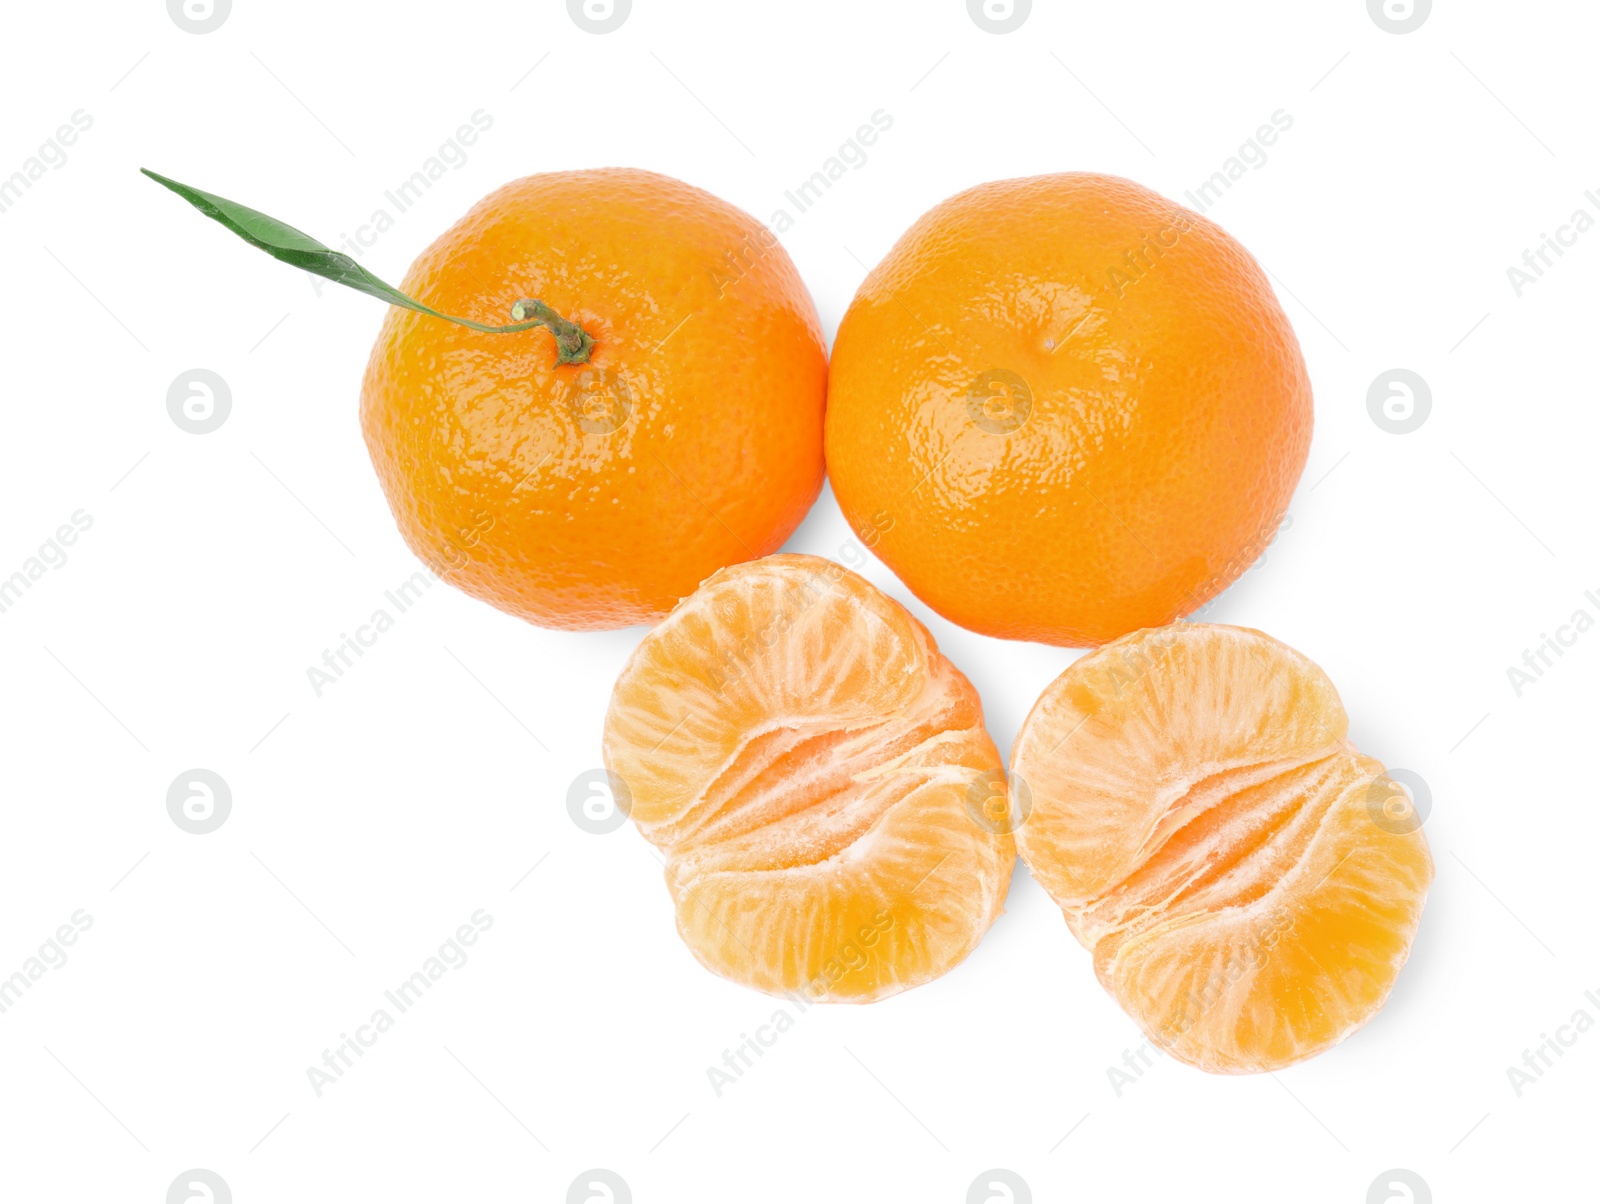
1248	883
819	780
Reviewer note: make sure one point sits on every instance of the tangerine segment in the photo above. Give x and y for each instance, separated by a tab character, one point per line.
813	769
1248	883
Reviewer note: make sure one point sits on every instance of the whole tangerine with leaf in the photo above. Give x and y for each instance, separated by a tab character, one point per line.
1065	408
651	412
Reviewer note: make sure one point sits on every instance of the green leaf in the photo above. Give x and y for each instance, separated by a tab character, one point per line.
282	241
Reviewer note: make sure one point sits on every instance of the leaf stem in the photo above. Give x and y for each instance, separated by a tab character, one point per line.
572	341
283	242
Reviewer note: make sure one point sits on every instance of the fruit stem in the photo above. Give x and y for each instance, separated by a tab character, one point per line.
572	341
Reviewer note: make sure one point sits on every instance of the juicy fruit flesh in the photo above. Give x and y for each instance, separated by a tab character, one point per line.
794	743
1238	870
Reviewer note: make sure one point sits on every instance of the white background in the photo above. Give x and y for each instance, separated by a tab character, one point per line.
369	823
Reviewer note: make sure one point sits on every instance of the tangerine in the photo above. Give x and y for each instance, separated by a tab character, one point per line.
1248	883
1065	408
